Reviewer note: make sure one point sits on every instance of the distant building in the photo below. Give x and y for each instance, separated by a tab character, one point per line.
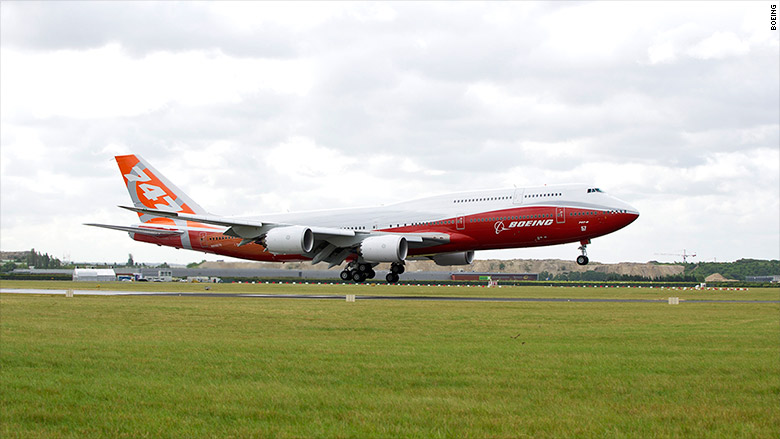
94	275
773	279
164	276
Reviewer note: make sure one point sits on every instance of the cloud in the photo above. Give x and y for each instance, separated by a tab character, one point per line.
260	107
106	83
719	45
142	28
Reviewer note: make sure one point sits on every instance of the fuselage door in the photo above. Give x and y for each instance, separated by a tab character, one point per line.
560	215
518	197
460	222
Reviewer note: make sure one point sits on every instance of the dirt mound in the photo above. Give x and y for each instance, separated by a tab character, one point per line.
717	277
552	266
557	266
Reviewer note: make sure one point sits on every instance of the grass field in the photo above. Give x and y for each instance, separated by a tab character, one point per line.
235	367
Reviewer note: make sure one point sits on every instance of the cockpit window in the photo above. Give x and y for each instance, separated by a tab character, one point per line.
595	190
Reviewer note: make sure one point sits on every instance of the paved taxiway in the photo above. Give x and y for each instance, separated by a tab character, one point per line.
358	297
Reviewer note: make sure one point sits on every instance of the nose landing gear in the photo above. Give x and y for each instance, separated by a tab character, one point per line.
583	258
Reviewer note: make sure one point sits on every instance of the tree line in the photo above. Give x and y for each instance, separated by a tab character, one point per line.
33	259
693	272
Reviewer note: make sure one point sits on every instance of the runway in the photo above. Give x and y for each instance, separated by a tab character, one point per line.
366	297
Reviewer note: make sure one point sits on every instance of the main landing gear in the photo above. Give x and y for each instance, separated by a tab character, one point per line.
396	269
583	258
358	272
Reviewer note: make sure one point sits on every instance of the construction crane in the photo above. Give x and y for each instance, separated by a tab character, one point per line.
685	255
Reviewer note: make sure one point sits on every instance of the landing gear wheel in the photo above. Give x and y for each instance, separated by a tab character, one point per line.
583	258
397	268
370	274
365	268
358	276
391	278
345	275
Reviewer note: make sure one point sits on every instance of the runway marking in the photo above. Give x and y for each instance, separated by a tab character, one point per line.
371	297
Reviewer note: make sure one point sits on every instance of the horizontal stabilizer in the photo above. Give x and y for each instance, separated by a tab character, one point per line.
140	230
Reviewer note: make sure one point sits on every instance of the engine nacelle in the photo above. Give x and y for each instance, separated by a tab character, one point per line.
385	248
288	240
458	258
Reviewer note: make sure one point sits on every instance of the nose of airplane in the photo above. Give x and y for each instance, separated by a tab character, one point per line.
631	210
627	211
633	214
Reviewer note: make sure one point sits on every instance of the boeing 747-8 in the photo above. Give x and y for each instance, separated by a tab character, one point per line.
447	229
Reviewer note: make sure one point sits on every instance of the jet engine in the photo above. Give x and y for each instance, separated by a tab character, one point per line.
289	240
458	258
385	248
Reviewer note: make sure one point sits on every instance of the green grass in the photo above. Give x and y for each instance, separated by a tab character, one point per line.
238	367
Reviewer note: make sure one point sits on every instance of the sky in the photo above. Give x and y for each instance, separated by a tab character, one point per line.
262	107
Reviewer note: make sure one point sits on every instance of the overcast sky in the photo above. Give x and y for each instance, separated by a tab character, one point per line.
268	107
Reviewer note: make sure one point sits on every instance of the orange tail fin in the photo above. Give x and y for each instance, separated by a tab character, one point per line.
150	189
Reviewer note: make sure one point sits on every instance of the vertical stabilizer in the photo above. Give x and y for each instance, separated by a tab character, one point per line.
150	189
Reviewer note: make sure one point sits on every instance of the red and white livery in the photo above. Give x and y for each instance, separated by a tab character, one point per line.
447	228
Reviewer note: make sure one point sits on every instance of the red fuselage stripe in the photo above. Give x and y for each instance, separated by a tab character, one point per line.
518	227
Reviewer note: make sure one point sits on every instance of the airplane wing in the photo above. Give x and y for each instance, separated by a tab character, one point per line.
141	230
240	228
330	244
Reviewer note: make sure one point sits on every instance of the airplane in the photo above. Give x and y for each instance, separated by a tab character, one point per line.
447	229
